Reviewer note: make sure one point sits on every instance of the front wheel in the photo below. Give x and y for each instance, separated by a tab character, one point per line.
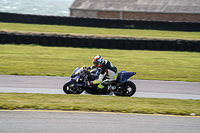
70	88
126	89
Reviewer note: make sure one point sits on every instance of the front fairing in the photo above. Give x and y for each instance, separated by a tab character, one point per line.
76	80
76	72
73	74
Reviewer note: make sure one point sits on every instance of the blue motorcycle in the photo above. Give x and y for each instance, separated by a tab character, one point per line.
119	87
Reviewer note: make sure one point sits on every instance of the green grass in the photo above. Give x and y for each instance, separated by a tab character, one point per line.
102	32
12	101
61	61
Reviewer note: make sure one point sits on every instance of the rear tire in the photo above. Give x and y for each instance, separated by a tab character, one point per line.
69	88
126	89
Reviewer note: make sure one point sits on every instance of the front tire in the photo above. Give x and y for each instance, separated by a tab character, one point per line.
126	89
70	88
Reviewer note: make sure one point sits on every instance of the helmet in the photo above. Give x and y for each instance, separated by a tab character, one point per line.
98	61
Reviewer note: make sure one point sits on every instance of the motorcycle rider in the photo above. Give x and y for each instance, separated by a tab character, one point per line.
108	72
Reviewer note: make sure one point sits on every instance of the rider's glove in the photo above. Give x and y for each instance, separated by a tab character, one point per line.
90	83
89	68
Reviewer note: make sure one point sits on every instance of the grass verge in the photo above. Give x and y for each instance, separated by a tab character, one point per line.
13	101
61	61
99	32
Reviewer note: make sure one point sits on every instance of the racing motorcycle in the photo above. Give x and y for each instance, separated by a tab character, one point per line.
119	87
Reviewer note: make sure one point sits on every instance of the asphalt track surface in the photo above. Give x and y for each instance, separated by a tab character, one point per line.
145	88
86	122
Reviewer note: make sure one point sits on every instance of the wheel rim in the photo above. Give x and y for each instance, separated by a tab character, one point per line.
127	90
74	89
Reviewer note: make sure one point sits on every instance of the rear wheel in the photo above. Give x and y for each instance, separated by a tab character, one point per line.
70	88
126	89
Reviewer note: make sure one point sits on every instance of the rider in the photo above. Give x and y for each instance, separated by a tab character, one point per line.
108	71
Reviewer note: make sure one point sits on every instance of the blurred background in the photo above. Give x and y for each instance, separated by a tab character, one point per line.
38	7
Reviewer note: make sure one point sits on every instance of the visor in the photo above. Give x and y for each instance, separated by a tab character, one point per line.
95	63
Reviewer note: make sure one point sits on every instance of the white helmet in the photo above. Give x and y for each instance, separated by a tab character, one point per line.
98	61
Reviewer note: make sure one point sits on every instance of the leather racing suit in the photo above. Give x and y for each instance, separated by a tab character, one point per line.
108	72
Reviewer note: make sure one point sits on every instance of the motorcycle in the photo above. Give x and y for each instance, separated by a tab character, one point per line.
120	87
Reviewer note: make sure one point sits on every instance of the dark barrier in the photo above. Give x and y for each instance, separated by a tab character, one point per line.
94	42
99	22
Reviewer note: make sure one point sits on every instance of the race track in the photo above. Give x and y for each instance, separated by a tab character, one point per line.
85	122
17	121
145	88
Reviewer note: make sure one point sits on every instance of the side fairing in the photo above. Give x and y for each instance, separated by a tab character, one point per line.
124	75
